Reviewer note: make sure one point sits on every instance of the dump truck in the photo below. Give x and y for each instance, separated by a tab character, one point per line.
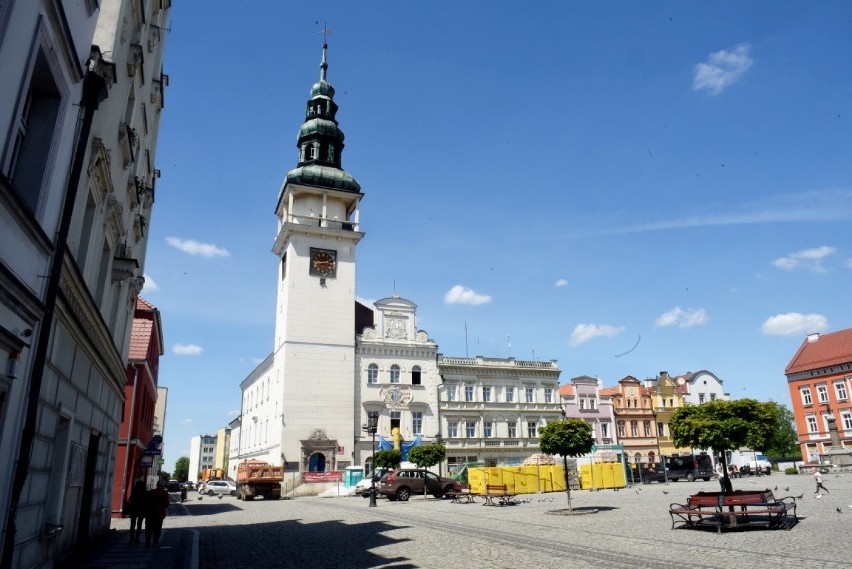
259	478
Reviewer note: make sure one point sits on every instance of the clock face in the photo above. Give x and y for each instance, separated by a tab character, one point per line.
631	391
323	262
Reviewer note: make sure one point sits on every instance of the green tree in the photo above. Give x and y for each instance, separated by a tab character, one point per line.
425	456
785	440
569	437
725	425
182	469
387	459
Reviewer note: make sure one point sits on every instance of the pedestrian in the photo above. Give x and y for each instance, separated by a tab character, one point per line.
135	508
817	475
155	512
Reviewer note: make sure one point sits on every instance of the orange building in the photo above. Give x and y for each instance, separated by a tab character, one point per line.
820	379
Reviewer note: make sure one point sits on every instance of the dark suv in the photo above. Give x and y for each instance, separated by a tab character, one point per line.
403	482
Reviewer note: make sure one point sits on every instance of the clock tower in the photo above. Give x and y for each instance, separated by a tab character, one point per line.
313	368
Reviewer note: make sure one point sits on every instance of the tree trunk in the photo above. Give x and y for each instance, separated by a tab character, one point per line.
567	482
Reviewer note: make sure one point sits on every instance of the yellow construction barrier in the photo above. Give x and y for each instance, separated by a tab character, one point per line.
602	475
518	479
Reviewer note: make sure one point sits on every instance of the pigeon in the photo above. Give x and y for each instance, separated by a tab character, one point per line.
786	488
665	492
776	488
839	511
800	496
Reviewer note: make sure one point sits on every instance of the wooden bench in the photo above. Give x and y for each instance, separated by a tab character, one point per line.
736	509
499	492
461	494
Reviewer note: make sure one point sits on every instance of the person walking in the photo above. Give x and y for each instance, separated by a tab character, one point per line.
817	475
155	512
135	508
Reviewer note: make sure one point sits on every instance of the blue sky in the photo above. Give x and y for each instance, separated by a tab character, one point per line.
568	180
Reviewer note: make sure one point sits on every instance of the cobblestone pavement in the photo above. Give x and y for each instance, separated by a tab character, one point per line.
632	528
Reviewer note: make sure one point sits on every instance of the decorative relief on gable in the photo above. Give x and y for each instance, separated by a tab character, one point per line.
396	397
318	435
369	334
396	328
422	336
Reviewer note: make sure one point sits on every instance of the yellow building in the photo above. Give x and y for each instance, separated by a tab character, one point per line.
666	396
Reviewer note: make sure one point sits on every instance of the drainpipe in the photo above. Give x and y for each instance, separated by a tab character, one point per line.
129	435
94	91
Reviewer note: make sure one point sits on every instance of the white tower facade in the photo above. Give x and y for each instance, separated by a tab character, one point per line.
313	367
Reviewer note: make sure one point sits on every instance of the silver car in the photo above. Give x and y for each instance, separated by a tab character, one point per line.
222	487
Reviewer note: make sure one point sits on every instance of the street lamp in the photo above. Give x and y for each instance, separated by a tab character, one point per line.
372	427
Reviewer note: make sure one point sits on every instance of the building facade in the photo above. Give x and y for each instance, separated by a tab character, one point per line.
584	398
819	377
634	421
491	409
71	210
202	456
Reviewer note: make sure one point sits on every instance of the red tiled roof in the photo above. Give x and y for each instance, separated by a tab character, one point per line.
826	350
142	304
140	338
566	390
610	391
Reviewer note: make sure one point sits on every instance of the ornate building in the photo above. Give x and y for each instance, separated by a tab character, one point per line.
634	421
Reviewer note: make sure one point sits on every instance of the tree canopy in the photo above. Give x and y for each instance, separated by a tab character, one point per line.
425	456
785	440
568	437
387	459
725	425
182	469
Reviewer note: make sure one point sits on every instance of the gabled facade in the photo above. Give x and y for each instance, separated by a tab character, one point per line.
701	387
137	431
666	396
584	399
635	421
819	377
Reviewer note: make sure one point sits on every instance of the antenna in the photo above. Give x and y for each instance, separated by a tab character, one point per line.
325	31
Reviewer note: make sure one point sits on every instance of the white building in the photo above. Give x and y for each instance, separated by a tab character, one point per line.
72	252
492	408
702	386
202	455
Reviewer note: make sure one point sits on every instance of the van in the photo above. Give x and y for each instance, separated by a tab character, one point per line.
690	467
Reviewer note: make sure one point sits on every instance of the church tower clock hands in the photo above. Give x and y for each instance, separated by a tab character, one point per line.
319	227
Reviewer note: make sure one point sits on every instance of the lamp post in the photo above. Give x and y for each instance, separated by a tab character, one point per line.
373	417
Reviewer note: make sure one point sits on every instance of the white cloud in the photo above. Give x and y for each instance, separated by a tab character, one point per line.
461	295
193	247
233	413
187	350
188	422
584	332
794	324
683	318
809	259
150	285
722	69
561	282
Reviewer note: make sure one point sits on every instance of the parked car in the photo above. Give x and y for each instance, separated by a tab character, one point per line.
652	473
403	482
689	467
213	487
362	488
174	486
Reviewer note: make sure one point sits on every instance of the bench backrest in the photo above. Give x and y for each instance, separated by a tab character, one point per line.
701	500
745	499
494	488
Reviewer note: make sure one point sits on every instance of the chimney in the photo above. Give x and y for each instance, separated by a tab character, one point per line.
813	338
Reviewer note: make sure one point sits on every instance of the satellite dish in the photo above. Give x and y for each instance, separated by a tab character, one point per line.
680	381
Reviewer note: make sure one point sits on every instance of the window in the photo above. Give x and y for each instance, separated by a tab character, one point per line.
806	396
468	393
647	425
700	398
582	403
531	429
417	422
470	428
415	375
621	429
486	394
34	132
847	420
812	423
453	428
529	395
634	428
822	393
592	403
513	429
510	394
661	430
394	374
395	419
489	429
604	430
712	397
840	390
451	393
372	373
548	395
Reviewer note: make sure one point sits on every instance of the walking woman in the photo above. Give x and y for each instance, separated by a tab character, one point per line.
155	513
136	509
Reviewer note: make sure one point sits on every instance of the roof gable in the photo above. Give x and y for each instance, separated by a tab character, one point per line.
822	350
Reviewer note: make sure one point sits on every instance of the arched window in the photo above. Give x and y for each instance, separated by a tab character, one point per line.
394	374
415	375
372	373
